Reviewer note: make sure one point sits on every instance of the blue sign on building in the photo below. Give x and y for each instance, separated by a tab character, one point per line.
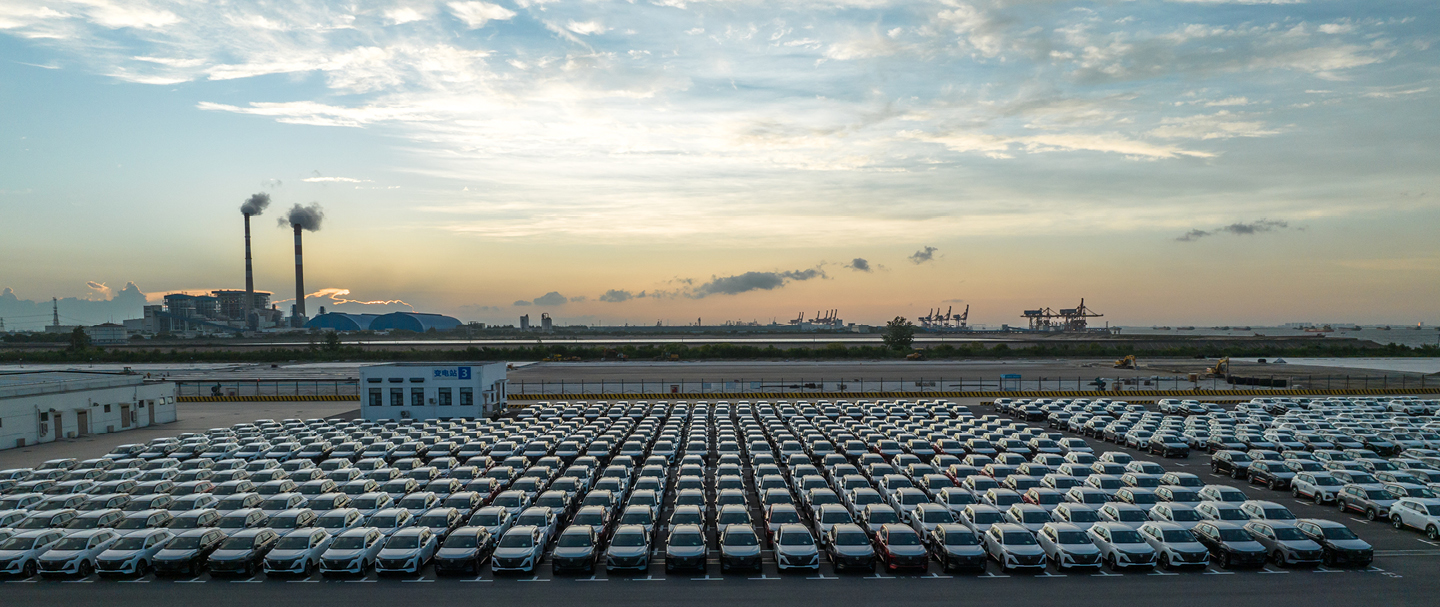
464	372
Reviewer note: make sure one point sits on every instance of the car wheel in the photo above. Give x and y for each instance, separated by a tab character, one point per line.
30	569
1399	524
1225	560
1214	469
1319	500
1275	485
1279	558
1112	563
1339	503
1432	533
1165	561
1295	493
1371	514
86	569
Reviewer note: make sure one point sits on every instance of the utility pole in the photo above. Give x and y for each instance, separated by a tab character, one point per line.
55	304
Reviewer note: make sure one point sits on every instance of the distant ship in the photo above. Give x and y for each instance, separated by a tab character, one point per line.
1160	328
1242	328
1185	329
1221	328
1324	329
1354	328
1385	328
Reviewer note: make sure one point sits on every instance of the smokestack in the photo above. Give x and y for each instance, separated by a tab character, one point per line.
301	218
299	316
255	205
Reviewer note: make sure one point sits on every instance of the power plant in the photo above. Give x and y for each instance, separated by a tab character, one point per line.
255	205
301	218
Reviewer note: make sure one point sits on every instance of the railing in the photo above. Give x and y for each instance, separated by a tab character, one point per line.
1277	383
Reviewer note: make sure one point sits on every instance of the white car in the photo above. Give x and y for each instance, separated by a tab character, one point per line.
1176	545
1068	546
133	553
76	554
297	552
1121	546
1319	486
20	553
1418	513
352	552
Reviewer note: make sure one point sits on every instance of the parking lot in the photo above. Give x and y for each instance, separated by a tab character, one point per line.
1403	568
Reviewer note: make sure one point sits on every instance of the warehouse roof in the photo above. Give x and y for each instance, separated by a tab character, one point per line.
414	321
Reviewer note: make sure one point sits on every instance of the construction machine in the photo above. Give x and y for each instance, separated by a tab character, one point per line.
1126	363
1221	368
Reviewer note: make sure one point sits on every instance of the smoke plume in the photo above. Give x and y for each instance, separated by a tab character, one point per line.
307	217
255	205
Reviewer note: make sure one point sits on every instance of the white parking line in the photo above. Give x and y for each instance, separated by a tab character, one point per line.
1048	574
651	578
936	576
987	576
194	581
1217	572
1103	574
822	577
707	578
134	581
534	579
418	581
764	577
302	581
1271	571
1324	570
478	579
365	581
77	582
591	579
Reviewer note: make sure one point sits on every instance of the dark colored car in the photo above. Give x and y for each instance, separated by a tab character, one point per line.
187	553
957	548
575	550
1236	464
848	546
900	547
686	548
1230	544
243	552
739	548
1341	545
463	551
1275	475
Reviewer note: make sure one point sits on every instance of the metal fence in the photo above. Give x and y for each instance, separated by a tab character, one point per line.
970	384
1279	383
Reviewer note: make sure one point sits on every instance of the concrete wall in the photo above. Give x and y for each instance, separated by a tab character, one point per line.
485	384
58	414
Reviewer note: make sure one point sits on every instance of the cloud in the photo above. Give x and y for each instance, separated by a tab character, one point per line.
1238	228
585	28
859	264
923	255
1220	125
101	304
552	298
752	281
334	179
477	14
617	296
521	302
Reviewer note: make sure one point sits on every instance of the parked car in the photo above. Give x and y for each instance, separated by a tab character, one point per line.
352	552
407	550
1342	547
1068	546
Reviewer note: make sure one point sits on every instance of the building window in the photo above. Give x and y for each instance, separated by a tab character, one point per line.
375	397
397	397
444	396
467	397
417	397
107	408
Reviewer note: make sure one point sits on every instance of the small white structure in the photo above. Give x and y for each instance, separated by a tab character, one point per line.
40	407
432	390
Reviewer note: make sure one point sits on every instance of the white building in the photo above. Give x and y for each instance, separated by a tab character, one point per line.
431	390
108	334
41	407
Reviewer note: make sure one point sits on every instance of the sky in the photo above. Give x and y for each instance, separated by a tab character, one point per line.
1171	161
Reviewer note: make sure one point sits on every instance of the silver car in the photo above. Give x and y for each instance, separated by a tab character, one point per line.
629	549
1285	543
76	554
352	552
297	552
391	520
20	553
1068	546
407	551
795	548
1014	547
520	549
1121	546
1176	545
133	553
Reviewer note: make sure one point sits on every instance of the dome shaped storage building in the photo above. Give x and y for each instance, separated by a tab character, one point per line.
414	321
340	321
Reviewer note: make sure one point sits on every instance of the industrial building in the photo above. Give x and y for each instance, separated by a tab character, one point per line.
42	407
221	311
432	390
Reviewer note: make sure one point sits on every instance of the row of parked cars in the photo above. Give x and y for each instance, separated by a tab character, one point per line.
894	483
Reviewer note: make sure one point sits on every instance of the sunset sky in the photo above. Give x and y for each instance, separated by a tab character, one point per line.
1173	162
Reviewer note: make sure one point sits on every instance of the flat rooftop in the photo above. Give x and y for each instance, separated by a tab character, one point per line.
31	383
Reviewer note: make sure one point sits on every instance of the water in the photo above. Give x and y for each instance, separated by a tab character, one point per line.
1405	336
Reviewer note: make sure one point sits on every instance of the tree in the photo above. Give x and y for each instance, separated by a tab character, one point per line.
79	340
332	341
899	333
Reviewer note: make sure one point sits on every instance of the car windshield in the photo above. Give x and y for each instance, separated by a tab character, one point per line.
1125	536
961	538
184	543
1279	514
1015	538
853	539
403	542
348	542
833	516
284	522
572	540
880	517
1036	516
517	540
72	543
1072	537
904	538
331	522
1178	535
687	539
797	539
1184	516
584	518
1342	533
628	539
471	540
1235	535
385	522
238	543
1133	516
790	516
741	538
1084	516
300	542
640	517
